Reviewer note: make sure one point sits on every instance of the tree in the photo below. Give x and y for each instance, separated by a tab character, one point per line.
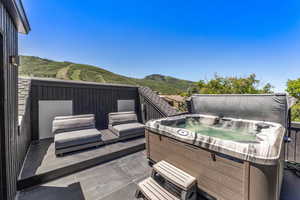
296	112
293	88
231	85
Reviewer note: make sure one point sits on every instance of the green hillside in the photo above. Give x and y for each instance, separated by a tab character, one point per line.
39	67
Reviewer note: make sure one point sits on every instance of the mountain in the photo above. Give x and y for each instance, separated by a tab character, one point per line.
183	85
40	67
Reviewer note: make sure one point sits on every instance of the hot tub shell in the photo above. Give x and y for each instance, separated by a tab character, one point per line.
218	176
223	173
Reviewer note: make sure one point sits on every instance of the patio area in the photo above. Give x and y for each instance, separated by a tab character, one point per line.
113	180
117	180
42	165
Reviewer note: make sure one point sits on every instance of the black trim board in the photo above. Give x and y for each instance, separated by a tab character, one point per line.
2	125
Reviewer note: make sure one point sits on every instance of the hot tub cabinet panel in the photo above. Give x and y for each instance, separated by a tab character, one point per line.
221	177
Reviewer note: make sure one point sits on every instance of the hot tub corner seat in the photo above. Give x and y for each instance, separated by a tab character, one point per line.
72	133
125	125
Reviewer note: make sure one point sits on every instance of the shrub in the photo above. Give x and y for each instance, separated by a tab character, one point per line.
296	113
293	88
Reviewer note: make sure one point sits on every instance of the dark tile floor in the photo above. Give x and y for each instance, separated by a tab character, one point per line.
290	187
41	156
116	180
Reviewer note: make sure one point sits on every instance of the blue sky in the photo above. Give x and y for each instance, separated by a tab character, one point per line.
191	39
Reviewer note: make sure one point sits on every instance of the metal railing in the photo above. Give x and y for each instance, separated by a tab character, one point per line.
155	106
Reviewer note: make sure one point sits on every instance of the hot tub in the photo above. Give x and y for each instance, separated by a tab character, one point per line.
255	141
233	158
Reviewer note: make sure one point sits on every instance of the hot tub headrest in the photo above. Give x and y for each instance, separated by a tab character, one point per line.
264	107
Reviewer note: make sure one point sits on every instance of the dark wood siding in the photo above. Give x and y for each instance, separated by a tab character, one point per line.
2	144
87	99
293	147
9	73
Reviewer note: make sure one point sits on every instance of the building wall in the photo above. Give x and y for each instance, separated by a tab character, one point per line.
98	99
8	130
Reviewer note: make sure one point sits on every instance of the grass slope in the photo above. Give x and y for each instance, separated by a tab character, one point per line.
39	67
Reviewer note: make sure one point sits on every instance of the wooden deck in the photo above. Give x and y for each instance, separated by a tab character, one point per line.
117	180
41	164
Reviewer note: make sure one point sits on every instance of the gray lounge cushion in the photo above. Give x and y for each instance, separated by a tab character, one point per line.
125	130
70	131
75	138
73	123
118	118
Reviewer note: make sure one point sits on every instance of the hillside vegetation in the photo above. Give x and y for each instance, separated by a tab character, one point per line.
39	67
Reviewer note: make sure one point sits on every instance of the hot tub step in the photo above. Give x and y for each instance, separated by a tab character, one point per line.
174	175
167	182
151	190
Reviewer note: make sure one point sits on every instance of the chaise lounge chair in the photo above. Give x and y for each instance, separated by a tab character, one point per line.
72	133
125	125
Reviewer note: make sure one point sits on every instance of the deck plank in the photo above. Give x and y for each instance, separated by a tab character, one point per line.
152	190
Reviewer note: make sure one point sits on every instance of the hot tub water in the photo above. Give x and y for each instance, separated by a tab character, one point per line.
223	129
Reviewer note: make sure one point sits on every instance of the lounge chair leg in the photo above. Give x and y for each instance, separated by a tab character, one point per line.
138	194
150	163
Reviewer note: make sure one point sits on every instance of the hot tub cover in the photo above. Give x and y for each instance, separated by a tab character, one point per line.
263	107
266	152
